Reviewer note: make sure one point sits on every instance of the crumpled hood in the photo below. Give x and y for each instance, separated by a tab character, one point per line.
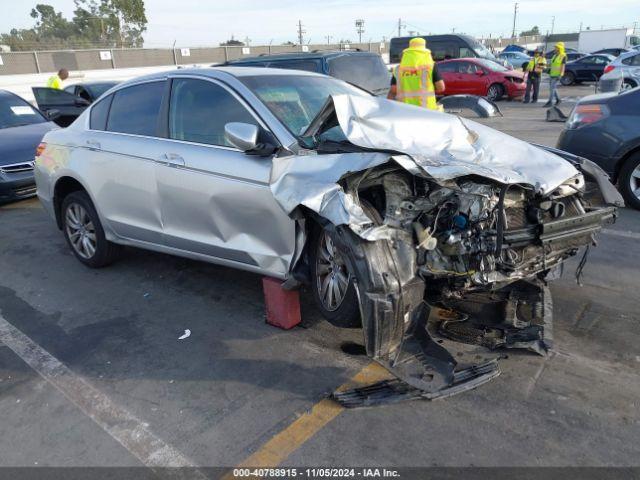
446	146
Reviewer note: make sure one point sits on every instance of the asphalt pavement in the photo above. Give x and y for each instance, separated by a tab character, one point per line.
93	373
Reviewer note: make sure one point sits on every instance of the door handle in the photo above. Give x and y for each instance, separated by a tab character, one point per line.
93	145
172	160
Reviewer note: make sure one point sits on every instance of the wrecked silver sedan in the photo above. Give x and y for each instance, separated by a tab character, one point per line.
387	211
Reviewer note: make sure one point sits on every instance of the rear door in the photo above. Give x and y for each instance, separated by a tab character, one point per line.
70	106
216	200
122	149
449	73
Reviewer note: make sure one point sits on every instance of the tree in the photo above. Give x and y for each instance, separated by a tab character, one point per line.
107	23
232	42
534	31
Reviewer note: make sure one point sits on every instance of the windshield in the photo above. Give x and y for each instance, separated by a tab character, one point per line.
482	51
366	71
295	99
15	112
493	66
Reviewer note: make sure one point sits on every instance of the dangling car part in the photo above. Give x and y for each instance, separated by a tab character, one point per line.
389	211
483	107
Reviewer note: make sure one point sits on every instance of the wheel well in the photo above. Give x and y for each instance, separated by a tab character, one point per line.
622	161
64	187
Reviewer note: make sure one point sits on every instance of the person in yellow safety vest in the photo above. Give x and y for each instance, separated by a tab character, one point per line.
534	69
556	71
55	81
416	80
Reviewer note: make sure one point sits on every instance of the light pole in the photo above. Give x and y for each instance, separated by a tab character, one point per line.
360	29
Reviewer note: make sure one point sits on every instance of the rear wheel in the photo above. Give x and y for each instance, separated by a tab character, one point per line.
568	78
84	233
628	85
629	181
495	92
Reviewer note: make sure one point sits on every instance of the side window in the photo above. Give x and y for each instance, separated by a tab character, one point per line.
446	67
306	65
99	113
135	109
588	60
466	52
444	50
199	110
635	61
466	68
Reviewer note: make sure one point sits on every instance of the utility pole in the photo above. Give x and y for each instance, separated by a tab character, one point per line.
400	27
515	15
360	29
328	37
301	33
580	27
553	24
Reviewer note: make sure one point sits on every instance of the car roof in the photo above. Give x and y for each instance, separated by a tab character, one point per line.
300	55
214	72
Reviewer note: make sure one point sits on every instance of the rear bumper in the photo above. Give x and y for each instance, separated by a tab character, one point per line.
12	189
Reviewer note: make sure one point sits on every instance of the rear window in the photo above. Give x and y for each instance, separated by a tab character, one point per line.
633	61
365	71
135	109
15	112
99	113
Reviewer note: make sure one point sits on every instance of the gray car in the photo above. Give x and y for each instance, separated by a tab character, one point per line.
307	179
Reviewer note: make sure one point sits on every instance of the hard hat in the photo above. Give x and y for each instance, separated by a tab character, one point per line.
418	43
560	44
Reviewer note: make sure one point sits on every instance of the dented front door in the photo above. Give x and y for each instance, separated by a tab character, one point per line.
216	200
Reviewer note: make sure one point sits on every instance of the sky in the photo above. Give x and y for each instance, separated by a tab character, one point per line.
202	22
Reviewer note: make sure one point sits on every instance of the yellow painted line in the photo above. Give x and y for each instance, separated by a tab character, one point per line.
29	203
284	443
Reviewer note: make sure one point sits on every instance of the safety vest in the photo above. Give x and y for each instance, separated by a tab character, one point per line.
556	65
54	82
537	64
414	79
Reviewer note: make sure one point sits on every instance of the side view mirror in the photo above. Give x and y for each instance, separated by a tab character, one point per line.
53	114
251	139
242	135
479	73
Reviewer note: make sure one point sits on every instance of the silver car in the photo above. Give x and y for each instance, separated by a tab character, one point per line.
382	207
623	71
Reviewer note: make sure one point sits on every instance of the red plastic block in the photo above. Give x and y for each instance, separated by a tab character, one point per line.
283	306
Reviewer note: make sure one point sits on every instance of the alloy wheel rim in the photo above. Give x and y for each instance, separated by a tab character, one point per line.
493	92
80	231
634	181
332	277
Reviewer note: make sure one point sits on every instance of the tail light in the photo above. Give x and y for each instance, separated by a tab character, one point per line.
40	149
586	114
609	68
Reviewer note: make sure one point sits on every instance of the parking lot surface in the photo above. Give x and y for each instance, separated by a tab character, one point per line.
93	373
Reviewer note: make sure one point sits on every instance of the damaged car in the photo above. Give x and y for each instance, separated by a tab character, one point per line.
386	211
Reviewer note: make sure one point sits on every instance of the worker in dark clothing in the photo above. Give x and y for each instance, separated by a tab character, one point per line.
534	69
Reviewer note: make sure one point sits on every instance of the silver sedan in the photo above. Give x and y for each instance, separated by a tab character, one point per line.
380	206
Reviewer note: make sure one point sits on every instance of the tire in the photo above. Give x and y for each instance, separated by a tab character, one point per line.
347	313
495	92
629	181
569	78
328	268
628	85
84	233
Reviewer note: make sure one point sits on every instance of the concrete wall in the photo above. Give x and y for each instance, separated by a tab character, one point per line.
15	63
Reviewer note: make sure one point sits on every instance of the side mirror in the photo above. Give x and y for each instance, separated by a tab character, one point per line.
53	114
479	73
242	135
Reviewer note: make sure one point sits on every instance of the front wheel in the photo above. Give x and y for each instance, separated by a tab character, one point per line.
568	79
629	181
332	284
84	233
495	92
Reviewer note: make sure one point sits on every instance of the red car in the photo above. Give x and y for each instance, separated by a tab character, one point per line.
477	76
